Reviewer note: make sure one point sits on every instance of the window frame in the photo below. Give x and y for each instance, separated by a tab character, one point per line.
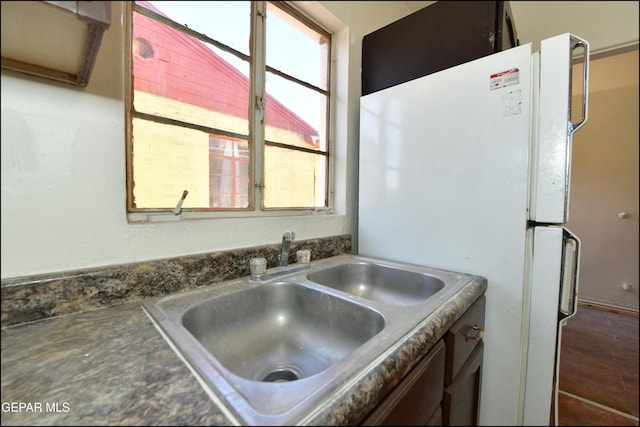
255	137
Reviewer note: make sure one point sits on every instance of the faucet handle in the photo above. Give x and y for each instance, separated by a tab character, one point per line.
289	235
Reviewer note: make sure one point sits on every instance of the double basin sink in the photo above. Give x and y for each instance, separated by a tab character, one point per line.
271	352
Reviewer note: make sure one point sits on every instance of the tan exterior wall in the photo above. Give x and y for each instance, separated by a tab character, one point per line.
170	159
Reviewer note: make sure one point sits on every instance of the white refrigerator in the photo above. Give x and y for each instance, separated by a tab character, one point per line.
468	169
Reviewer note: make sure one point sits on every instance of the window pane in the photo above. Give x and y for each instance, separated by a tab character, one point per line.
179	77
295	115
225	21
166	161
286	35
294	179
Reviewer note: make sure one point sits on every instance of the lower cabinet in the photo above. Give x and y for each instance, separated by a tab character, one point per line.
416	399
463	371
461	397
444	387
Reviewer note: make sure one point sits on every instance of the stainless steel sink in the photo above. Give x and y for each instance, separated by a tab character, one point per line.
280	332
274	351
379	281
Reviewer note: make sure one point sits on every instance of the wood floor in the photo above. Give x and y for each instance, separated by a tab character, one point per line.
599	369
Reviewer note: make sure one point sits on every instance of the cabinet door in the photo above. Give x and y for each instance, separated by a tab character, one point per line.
461	398
436	418
416	399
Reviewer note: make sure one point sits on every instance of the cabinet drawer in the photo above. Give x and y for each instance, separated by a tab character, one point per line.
416	399
462	339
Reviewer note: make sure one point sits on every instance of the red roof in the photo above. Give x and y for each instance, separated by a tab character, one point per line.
185	69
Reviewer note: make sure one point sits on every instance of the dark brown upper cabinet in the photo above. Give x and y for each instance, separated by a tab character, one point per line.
439	36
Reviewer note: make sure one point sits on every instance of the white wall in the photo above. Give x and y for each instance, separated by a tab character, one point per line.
605	25
63	164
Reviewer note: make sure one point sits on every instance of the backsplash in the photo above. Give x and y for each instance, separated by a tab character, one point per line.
27	299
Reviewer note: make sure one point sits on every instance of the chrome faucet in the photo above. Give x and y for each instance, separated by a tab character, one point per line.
283	258
283	263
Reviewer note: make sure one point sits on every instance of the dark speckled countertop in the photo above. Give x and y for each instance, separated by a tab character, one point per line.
104	367
109	365
112	367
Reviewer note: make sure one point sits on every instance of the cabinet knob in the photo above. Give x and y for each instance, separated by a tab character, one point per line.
478	334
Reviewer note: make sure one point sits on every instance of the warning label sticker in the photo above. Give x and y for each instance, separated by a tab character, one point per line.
504	79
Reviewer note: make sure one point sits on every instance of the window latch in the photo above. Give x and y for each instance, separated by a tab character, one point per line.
260	103
178	207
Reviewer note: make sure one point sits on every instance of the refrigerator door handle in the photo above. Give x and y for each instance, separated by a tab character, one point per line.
552	144
569	275
577	42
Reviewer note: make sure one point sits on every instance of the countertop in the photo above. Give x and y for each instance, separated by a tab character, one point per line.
110	366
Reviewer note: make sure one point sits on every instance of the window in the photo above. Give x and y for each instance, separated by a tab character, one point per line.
228	172
229	100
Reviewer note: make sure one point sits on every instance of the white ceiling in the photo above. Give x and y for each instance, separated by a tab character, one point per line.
606	25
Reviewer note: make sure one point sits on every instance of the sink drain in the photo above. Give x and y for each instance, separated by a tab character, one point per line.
281	375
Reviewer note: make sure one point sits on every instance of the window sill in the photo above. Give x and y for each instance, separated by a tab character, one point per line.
158	217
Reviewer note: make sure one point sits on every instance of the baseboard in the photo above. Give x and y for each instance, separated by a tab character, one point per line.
611	308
